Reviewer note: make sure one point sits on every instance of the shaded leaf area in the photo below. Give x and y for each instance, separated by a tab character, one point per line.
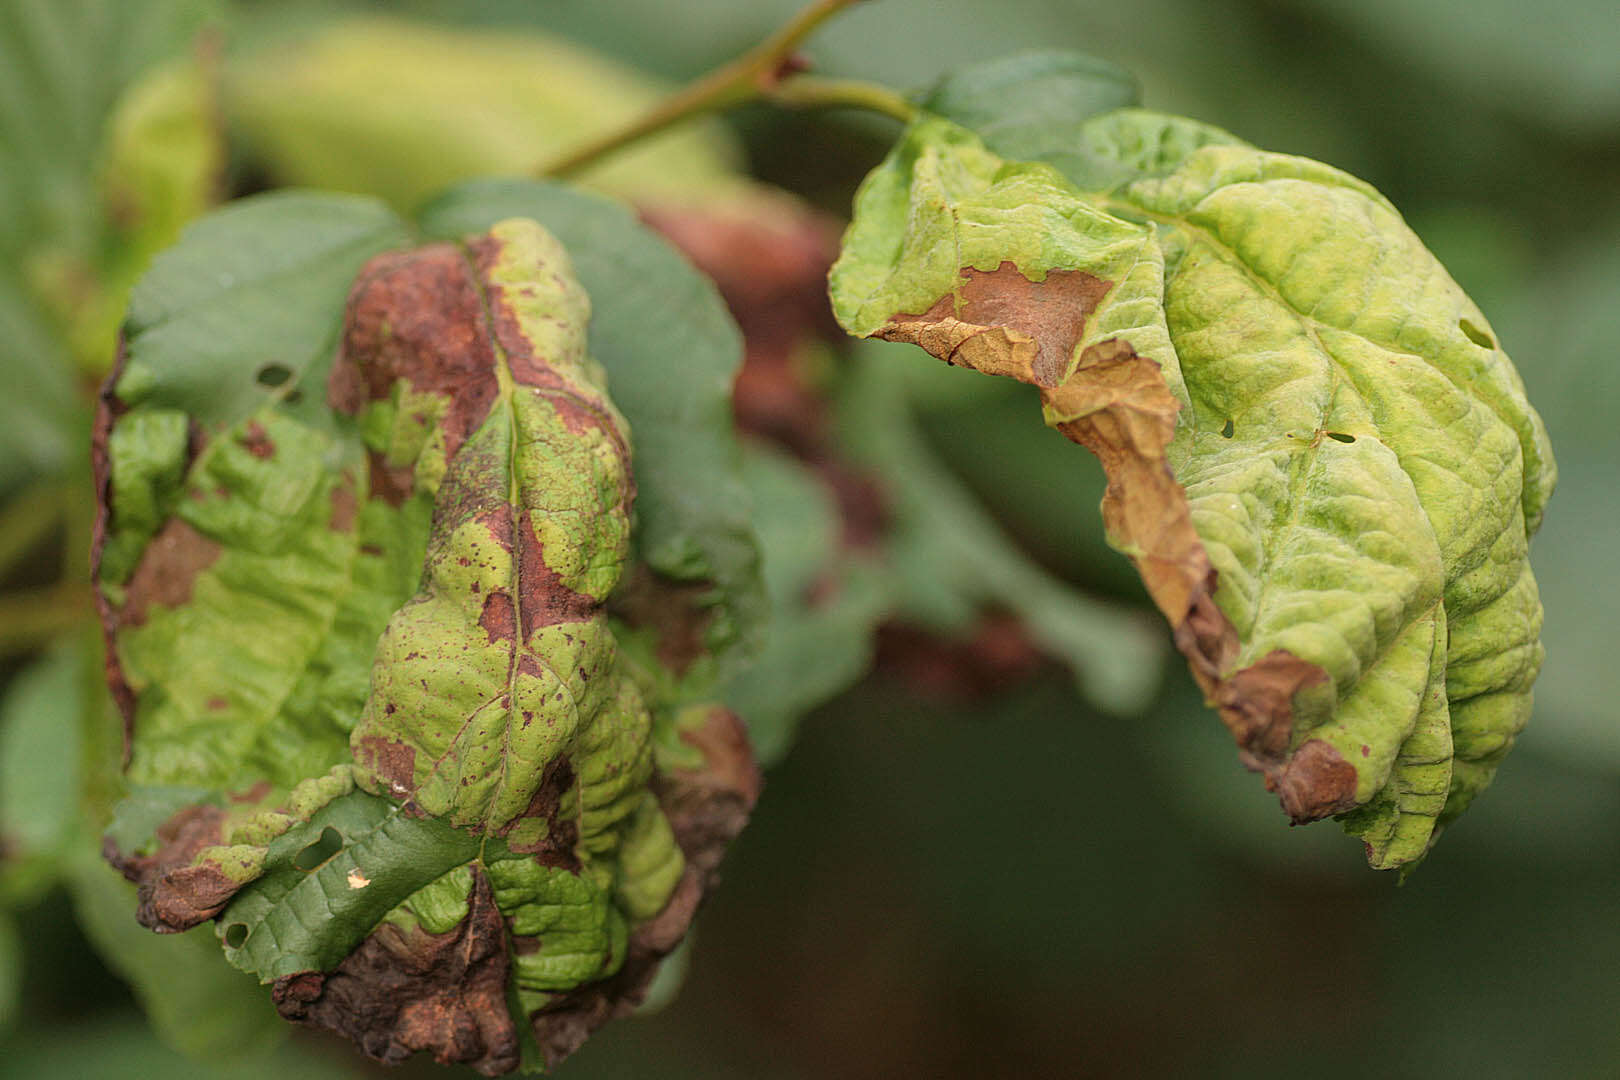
403	555
1321	463
100	156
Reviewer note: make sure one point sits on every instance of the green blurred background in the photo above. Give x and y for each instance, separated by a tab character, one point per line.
948	880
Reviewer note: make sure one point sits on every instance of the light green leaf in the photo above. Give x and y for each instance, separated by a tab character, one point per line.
1319	459
403	110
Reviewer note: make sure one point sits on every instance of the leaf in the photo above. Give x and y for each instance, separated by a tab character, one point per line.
198	1005
1322	465
414	541
824	607
691	506
403	110
40	755
1034	104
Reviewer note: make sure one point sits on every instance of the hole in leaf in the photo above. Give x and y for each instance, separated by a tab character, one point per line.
294	397
1226	432
1341	436
321	850
1475	334
235	935
273	375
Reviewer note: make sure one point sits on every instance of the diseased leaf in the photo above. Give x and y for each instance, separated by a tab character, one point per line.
692	509
382	728
1320	461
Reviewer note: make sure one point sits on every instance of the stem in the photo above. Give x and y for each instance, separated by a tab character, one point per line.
758	73
810	92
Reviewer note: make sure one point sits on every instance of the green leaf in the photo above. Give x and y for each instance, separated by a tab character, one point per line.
1031	105
1319	459
40	755
197	1005
648	305
825	605
249	303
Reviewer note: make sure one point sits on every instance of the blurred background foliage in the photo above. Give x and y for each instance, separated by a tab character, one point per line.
961	866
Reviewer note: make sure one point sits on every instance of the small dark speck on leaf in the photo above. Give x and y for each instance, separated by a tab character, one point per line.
273	375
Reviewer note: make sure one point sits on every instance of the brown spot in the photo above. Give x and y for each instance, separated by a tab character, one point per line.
1316	783
257	441
1002	323
677	612
404	992
557	848
543	599
392	484
996	654
417	316
217	703
392	761
344	507
1119	407
175	893
168	568
254	794
499	620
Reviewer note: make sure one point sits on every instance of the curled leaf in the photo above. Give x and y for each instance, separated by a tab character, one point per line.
440	811
1321	462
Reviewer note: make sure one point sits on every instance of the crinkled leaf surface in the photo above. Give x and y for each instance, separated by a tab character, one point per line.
401	554
1319	458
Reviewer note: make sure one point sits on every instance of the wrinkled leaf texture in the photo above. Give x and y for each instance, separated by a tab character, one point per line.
268	513
1319	458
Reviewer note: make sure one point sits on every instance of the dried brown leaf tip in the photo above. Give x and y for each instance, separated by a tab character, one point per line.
1289	434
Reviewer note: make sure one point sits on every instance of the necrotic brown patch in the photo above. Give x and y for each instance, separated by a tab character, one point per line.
499	620
417	316
168	568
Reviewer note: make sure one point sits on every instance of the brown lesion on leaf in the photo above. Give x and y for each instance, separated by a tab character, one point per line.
407	991
166	573
175	892
417	316
256	441
556	848
707	807
1122	410
499	618
393	761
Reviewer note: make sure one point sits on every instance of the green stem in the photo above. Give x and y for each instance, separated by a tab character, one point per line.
759	73
810	92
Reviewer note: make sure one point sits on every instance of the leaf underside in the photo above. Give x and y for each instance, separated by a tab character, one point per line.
1320	460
